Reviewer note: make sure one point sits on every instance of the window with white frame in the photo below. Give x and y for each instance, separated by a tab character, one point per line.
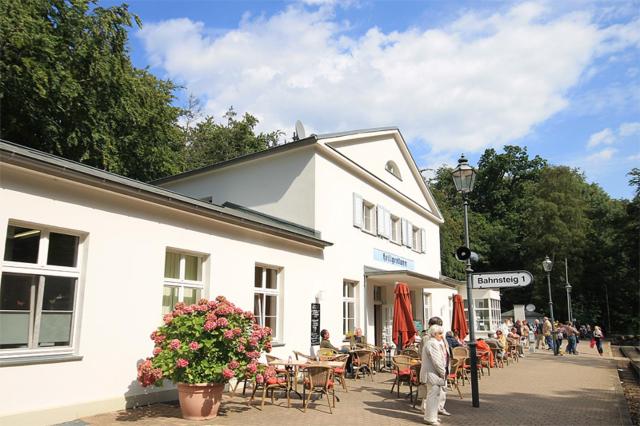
38	289
396	232
183	279
368	216
496	314
267	298
428	310
415	239
349	292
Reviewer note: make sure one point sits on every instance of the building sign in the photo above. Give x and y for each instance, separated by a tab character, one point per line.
392	259
315	324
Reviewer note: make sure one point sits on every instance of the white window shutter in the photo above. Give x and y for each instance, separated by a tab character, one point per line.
409	234
423	241
403	231
357	211
387	222
380	220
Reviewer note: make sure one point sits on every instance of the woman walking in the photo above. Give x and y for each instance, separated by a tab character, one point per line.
433	373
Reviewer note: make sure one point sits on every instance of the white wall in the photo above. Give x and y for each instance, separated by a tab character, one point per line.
122	284
372	153
281	185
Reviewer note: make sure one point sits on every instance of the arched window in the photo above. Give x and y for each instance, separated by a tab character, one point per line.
392	168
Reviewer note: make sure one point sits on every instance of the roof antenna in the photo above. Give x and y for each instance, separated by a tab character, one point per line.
299	133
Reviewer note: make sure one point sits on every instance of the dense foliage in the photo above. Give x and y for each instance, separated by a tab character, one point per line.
210	342
68	87
522	209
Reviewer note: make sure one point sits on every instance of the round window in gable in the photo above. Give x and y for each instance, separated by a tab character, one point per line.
393	168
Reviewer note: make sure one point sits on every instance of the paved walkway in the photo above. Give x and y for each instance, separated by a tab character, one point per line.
539	390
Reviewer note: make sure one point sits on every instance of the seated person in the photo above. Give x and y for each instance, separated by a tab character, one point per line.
514	339
452	341
498	343
326	344
358	339
484	352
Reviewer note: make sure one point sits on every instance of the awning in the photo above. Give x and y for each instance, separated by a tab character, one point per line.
411	278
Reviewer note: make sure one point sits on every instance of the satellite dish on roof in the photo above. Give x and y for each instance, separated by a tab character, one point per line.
300	133
530	307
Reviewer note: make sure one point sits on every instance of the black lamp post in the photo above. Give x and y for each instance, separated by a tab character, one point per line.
547	265
464	177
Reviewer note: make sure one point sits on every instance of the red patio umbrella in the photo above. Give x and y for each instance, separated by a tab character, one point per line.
404	330
459	321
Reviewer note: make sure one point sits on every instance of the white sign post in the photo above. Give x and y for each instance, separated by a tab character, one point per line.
506	279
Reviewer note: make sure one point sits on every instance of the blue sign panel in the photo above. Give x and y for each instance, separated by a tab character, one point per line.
392	259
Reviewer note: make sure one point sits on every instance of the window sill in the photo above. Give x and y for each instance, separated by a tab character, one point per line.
277	344
40	359
366	231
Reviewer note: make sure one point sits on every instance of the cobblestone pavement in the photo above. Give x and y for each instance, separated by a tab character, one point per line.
539	390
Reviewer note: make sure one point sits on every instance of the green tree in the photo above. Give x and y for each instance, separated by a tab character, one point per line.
209	142
68	88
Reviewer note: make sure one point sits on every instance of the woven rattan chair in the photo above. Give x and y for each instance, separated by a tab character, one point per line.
339	372
318	379
452	378
362	362
403	371
279	381
497	354
460	354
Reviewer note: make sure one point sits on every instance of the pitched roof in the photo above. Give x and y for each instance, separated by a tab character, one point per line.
12	153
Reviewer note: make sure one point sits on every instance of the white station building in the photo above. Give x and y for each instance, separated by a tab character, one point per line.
92	260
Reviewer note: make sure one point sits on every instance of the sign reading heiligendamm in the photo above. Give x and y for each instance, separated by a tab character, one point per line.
315	324
392	259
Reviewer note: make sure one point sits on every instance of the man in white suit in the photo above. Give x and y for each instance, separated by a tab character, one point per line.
434	374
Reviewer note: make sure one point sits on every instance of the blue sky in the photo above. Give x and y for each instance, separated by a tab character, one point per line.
561	78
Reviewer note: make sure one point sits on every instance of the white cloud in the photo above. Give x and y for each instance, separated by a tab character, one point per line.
481	81
605	154
629	129
605	136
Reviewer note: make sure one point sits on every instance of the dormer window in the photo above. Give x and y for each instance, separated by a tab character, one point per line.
392	168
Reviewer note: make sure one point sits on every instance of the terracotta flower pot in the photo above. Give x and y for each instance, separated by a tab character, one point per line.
200	401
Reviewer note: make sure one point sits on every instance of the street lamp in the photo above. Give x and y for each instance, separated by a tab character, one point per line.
547	265
568	288
464	177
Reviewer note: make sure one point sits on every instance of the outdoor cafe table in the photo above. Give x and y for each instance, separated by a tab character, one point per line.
296	364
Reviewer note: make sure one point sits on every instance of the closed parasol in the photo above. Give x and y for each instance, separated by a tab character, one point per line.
459	320
404	330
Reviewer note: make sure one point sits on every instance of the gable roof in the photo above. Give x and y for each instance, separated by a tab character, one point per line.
11	153
402	145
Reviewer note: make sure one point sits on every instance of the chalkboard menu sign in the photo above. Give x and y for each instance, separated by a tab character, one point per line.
315	324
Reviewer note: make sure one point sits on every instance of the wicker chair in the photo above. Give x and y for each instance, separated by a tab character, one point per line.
300	355
339	372
318	379
496	354
452	378
362	362
402	368
280	381
460	354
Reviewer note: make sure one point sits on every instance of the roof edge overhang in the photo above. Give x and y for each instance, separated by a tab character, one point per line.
411	278
48	164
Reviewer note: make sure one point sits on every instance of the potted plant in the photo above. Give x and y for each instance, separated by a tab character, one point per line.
200	348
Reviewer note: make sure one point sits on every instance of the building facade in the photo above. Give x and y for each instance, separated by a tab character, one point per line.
91	260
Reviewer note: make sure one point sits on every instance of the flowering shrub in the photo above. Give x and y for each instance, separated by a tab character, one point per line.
210	342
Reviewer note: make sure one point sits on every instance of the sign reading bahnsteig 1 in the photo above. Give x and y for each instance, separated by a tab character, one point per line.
392	259
501	279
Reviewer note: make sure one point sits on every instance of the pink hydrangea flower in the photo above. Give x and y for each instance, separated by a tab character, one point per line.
174	344
181	363
233	364
252	368
253	341
228	373
259	378
221	299
238	311
194	346
203	302
209	325
222	322
248	314
157	350
241	348
228	334
167	319
253	354
237	331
